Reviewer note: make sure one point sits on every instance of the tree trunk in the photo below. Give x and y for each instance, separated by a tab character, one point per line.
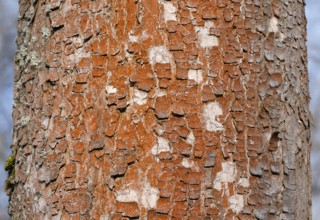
154	109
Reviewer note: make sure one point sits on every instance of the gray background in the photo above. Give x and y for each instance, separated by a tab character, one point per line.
8	16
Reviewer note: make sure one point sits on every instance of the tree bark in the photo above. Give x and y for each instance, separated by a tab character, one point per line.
154	109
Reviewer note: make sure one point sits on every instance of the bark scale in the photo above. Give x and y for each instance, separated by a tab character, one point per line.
161	110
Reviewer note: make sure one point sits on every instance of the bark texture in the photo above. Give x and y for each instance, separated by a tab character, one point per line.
154	109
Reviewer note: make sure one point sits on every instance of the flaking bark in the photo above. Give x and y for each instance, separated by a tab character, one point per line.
146	109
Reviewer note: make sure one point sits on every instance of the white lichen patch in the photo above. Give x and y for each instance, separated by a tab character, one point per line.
24	120
159	93
136	38
161	146
104	217
34	59
226	175
244	182
159	54
133	38
187	163
111	89
79	54
147	196
77	41
46	32
273	25
206	40
267	136
169	11
243	8
45	123
211	111
42	204
236	203
127	195
195	75
190	138
282	36
140	97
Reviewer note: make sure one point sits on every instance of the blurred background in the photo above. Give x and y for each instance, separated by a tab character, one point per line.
8	16
313	43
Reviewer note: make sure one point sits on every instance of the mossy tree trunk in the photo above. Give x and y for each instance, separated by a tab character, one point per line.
157	109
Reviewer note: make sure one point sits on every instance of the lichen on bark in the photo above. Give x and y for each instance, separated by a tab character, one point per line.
161	109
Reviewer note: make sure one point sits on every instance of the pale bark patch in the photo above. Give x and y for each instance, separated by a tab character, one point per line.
111	89
133	38
161	93
140	97
273	25
78	55
169	11
161	146
24	120
236	203
226	175
159	54
45	123
195	75
244	182
206	40
137	38
186	162
190	138
147	196
104	217
127	195
211	111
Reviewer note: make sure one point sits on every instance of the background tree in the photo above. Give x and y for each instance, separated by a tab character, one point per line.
161	109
